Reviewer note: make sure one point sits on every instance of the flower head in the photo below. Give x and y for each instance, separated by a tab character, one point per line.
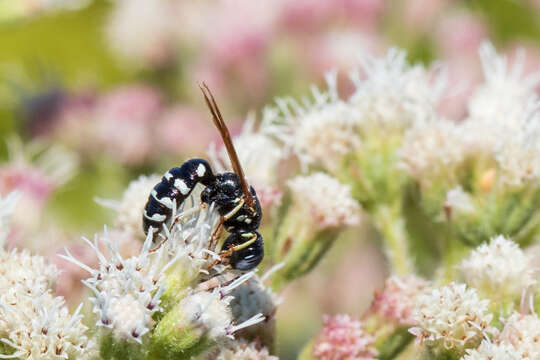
126	292
43	329
324	199
242	350
34	323
492	351
501	100
519	149
458	200
452	317
432	149
398	298
499	268
321	132
343	338
390	92
523	333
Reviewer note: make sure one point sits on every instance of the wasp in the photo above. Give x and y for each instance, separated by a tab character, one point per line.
234	199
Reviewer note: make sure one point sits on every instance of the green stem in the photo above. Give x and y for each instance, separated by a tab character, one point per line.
390	223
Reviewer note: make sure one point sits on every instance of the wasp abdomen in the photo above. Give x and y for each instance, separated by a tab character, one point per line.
175	186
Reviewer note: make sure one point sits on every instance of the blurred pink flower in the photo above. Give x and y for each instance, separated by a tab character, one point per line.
126	119
460	34
365	13
30	181
397	300
184	130
343	338
421	15
340	49
305	15
35	189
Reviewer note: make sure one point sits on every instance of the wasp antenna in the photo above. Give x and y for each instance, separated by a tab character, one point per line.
227	140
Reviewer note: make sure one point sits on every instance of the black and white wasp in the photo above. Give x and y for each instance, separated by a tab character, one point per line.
234	199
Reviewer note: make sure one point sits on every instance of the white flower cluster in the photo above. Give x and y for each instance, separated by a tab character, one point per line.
499	268
127	292
458	200
324	199
393	93
321	131
501	100
451	316
431	148
241	350
491	351
523	333
503	124
517	154
33	323
209	312
41	328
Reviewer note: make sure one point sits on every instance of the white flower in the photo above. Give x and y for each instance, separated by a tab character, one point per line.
490	351
322	131
324	199
501	100
127	292
43	329
209	312
391	92
7	206
130	208
518	150
458	200
499	268
499	107
241	350
23	274
451	317
432	148
33	322
189	238
523	333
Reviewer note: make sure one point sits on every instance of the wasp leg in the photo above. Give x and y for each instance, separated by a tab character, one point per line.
228	252
253	238
215	235
224	218
233	212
